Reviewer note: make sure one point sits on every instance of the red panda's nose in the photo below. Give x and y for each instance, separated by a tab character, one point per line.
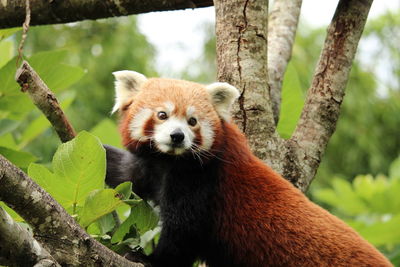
177	136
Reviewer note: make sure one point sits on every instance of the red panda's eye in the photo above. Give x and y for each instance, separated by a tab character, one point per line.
162	115
192	121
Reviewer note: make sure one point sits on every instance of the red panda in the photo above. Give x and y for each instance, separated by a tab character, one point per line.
218	202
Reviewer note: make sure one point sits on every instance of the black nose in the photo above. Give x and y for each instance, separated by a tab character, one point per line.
177	136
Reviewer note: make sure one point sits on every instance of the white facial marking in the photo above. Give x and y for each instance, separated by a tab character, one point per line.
137	123
190	111
163	132
207	134
169	107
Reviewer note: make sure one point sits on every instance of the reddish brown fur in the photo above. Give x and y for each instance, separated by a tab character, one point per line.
265	221
262	219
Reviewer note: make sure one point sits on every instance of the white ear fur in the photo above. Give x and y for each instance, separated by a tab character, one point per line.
127	83
223	95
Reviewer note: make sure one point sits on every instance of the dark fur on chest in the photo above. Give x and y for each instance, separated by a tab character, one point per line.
185	190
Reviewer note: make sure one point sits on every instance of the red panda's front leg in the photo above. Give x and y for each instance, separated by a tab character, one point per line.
124	166
172	251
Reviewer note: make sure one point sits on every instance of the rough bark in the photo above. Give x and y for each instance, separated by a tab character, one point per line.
18	247
241	30
54	12
56	231
45	100
322	106
282	26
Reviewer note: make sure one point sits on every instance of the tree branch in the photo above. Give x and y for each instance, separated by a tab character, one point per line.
58	232
282	26
45	100
54	12
241	30
321	111
18	246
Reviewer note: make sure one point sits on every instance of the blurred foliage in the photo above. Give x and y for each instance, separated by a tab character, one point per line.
75	175
371	206
99	47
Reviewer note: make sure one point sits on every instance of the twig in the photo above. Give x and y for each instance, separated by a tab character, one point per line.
67	242
45	100
19	245
25	28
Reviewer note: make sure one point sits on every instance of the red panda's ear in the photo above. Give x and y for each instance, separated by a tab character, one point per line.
222	96
127	84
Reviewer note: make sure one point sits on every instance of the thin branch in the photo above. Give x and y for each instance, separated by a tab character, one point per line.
58	232
321	111
282	26
45	100
25	28
18	247
54	12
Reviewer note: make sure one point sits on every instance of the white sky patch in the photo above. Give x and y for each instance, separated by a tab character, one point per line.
178	36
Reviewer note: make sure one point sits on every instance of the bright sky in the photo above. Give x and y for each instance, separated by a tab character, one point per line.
178	36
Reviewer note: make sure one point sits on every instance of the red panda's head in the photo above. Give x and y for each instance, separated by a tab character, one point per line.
172	116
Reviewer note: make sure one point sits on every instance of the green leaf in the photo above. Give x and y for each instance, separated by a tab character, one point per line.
8	141
12	100
292	102
8	32
81	164
11	212
53	184
7	126
382	233
125	190
142	217
7	74
106	223
7	52
55	74
394	170
349	202
98	204
20	158
107	131
79	168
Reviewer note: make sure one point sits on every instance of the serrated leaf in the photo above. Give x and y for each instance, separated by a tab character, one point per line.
80	163
142	217
107	131
125	190
20	158
292	103
98	204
